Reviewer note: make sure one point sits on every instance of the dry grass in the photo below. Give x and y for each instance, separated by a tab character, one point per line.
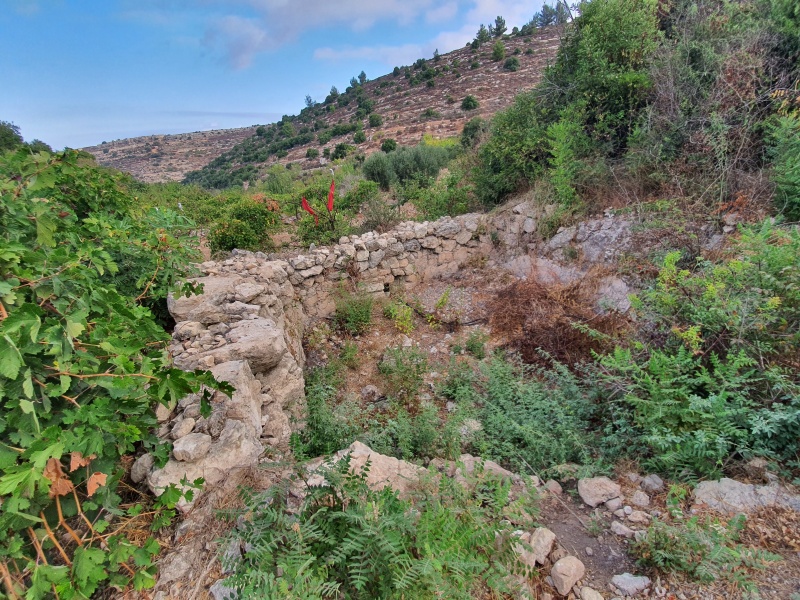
531	316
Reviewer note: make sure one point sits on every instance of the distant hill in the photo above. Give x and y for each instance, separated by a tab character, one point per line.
424	98
156	158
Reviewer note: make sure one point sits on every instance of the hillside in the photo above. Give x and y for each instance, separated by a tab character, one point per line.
158	158
399	100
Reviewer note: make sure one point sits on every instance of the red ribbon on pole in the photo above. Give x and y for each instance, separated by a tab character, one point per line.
330	196
309	210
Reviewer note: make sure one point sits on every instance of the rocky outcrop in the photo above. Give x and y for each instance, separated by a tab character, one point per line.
730	496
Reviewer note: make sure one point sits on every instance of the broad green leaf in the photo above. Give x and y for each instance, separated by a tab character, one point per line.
10	358
27	385
46	225
26	406
74	329
21	483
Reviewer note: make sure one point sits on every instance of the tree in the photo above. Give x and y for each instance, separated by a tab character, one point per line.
310	103
436	56
353	82
499	27
39	146
388	145
362	78
375	120
498	51
396	71
483	35
359	137
10	137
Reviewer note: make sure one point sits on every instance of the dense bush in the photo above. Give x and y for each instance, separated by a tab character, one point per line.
388	145
359	137
232	233
598	82
716	378
83	365
514	403
498	51
375	120
378	168
511	64
420	164
469	103
786	165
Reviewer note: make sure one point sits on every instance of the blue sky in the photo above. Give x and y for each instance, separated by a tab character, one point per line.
79	72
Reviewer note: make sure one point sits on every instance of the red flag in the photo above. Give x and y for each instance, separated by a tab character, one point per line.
309	210
330	196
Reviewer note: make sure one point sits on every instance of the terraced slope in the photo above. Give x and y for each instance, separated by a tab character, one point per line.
409	105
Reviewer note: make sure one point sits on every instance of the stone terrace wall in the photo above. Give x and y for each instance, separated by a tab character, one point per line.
247	326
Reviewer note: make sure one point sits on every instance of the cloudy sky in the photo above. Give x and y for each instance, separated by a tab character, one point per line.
78	72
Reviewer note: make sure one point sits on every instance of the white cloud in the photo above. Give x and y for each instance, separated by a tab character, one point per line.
242	39
515	13
442	13
388	55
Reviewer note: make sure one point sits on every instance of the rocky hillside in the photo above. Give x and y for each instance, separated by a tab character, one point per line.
401	101
156	158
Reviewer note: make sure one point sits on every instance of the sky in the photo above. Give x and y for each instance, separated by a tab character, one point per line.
79	72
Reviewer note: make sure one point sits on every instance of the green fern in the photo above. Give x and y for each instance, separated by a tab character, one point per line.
348	541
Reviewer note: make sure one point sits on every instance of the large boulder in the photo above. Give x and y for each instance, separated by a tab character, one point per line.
384	470
207	307
245	403
596	490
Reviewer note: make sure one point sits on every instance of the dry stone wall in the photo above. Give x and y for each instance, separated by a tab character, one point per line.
247	325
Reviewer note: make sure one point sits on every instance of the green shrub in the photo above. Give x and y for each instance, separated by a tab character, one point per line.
516	402
379	215
476	344
785	154
312	153
375	120
451	196
341	151
498	51
430	113
363	193
420	163
325	430
474	64
83	365
402	369
359	137
704	549
258	217
473	130
469	103
388	145
351	541
401	315
323	137
378	168
716	385
353	312
511	64
230	234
